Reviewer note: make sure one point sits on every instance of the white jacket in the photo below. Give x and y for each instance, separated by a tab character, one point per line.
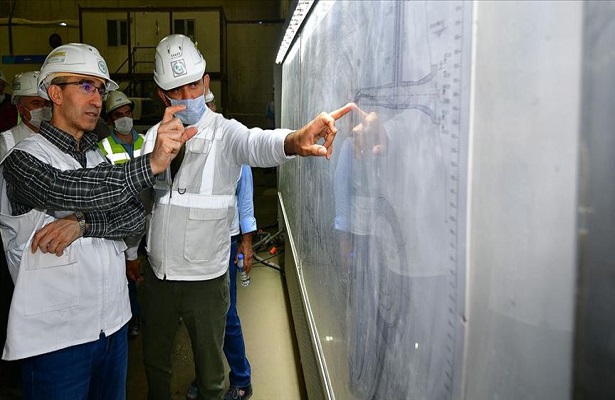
190	230
59	301
14	135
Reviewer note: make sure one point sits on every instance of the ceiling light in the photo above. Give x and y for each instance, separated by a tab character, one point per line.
301	11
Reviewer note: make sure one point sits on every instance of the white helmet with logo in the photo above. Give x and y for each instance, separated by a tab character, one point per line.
115	100
73	58
178	62
25	84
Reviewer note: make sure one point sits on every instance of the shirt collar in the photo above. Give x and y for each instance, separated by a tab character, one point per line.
66	142
134	134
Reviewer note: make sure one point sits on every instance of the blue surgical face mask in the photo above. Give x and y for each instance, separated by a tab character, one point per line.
195	108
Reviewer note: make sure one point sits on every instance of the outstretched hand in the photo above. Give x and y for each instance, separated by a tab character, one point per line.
303	141
171	137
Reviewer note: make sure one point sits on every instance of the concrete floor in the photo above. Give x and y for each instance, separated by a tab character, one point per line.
269	344
265	315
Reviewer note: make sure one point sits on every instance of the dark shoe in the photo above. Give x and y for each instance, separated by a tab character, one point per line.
134	328
238	393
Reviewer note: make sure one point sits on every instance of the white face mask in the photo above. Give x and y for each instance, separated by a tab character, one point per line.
123	125
39	115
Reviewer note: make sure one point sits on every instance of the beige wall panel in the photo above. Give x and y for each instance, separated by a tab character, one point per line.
206	34
149	29
216	88
95	33
251	55
31	40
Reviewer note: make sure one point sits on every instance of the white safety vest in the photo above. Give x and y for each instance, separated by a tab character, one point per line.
59	301
189	233
14	135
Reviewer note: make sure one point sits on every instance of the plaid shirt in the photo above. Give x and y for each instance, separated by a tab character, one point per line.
107	194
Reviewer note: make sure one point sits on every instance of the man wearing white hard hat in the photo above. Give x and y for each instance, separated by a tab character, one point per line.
8	111
32	108
189	236
209	100
123	144
64	211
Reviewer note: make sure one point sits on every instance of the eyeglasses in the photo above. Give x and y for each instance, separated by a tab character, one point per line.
87	87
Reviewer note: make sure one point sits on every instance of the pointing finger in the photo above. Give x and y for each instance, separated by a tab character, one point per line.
169	111
340	112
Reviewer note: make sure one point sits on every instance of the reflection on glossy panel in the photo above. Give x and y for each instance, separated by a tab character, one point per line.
493	102
379	229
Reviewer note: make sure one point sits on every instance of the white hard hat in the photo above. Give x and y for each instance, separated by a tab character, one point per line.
25	84
178	62
209	97
74	58
116	99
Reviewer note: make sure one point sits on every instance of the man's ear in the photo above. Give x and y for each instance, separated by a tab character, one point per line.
55	94
206	83
163	98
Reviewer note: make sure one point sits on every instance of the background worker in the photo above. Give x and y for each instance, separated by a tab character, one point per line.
188	240
210	101
123	144
64	213
32	108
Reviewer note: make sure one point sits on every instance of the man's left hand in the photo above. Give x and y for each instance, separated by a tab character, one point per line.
57	235
245	248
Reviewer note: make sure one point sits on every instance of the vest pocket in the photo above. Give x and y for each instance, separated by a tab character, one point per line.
49	280
207	231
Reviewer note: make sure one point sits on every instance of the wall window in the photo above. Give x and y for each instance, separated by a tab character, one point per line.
117	32
185	27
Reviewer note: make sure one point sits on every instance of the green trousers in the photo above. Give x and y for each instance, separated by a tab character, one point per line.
202	305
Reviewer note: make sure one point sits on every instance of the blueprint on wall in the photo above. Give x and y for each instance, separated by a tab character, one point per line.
379	230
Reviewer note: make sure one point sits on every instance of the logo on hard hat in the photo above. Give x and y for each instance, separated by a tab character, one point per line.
56	57
102	66
17	86
179	68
